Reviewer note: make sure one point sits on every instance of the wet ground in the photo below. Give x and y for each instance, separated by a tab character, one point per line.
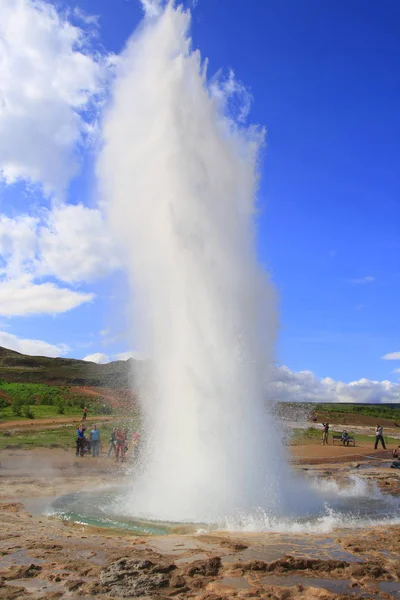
48	558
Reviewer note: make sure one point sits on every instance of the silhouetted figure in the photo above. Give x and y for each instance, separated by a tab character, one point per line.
379	437
112	442
120	445
325	433
95	439
345	438
80	440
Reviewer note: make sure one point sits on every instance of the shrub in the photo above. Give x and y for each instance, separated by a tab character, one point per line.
61	408
16	408
28	413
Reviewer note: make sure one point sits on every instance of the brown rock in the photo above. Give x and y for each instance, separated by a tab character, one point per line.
206	568
134	577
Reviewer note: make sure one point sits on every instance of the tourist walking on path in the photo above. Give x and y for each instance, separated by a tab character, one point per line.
325	433
84	414
80	440
112	443
95	438
379	437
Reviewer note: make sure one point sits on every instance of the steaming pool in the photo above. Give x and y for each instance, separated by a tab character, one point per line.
355	505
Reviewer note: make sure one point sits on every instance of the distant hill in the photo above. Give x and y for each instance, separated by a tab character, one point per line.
21	368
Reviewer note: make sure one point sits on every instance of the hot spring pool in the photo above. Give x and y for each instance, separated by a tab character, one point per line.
350	506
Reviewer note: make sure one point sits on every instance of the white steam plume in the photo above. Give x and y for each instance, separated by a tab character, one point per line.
179	180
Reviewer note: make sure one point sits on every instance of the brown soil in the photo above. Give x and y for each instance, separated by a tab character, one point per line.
44	558
117	398
315	453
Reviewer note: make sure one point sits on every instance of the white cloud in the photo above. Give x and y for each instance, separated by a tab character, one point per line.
97	357
391	356
32	347
17	244
21	297
50	85
74	244
123	356
100	357
304	386
69	243
362	280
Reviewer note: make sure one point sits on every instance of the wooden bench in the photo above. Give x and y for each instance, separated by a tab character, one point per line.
349	442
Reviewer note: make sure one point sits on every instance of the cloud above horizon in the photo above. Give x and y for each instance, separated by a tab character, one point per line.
32	347
22	297
69	243
304	386
284	385
391	356
51	85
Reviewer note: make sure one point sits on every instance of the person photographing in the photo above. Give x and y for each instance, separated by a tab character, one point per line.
379	437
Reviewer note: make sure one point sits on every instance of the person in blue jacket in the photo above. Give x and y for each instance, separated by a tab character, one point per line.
80	440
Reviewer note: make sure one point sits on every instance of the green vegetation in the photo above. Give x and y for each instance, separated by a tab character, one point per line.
60	437
383	411
38	400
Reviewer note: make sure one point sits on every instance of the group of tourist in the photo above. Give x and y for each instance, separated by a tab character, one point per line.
346	438
117	446
118	443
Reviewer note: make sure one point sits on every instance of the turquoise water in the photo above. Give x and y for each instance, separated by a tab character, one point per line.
102	508
108	508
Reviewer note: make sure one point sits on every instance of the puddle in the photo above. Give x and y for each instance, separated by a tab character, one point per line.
191	558
20	558
237	583
336	586
390	587
325	549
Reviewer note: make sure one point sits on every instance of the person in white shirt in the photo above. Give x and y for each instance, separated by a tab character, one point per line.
379	437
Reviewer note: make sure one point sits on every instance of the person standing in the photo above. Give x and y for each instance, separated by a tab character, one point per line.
112	442
84	414
95	439
325	433
120	446
135	444
80	440
379	437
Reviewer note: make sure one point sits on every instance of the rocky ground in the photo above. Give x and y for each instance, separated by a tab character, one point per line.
45	558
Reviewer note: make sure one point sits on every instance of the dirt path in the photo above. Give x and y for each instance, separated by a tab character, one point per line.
48	423
316	453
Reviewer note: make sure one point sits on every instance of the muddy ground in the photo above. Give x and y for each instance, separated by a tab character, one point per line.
45	558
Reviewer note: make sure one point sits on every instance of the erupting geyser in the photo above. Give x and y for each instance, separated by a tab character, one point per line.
179	177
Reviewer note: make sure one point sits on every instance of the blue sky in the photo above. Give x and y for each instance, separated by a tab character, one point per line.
325	81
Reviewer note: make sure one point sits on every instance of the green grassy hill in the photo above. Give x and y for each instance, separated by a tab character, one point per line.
20	368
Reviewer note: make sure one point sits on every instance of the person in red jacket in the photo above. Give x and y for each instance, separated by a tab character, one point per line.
120	446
